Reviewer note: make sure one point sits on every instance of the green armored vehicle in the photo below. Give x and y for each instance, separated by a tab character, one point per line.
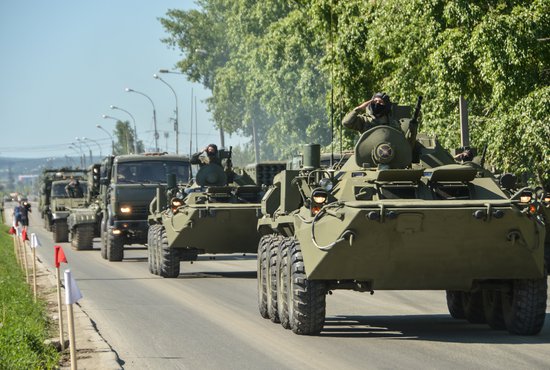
213	215
84	220
62	201
129	184
401	214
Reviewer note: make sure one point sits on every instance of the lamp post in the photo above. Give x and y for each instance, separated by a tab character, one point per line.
127	137
111	136
82	156
96	143
81	140
154	115
133	119
76	151
176	127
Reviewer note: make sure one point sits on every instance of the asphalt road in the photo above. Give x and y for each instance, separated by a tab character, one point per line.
208	319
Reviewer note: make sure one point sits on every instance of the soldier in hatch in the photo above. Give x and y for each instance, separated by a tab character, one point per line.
371	113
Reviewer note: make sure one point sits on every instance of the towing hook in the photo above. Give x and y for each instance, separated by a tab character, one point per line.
513	236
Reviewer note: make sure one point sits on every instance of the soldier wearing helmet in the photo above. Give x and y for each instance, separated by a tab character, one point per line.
371	113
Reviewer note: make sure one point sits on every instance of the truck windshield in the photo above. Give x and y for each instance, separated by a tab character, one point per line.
152	172
58	189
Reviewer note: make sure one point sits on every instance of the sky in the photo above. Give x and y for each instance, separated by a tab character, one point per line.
63	63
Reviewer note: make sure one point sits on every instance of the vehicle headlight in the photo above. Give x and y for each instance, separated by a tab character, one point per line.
319	198
175	203
525	197
125	209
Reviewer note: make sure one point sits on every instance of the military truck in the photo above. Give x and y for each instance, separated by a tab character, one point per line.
401	214
84	220
46	179
61	203
212	215
128	185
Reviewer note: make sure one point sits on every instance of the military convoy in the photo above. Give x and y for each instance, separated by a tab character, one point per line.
217	213
397	213
397	216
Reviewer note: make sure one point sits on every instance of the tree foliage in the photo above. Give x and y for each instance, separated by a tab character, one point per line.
290	68
125	138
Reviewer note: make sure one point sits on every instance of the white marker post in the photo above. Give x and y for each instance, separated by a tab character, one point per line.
59	257
35	243
24	251
72	295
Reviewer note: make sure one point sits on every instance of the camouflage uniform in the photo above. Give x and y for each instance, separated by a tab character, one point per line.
365	121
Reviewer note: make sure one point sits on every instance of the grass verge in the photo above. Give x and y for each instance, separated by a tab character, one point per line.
24	324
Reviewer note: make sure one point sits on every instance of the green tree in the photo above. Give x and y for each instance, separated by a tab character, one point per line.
125	138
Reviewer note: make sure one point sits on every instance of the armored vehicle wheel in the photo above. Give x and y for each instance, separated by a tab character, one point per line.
83	237
454	304
262	274
150	248
169	262
307	300
283	285
272	254
473	307
115	247
524	306
492	305
60	231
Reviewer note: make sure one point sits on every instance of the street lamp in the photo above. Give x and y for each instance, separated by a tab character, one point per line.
154	115
96	143
111	136
81	153
176	127
81	140
127	136
135	130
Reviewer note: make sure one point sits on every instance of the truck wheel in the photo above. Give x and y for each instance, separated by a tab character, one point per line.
151	249
103	241
262	274
60	231
524	306
454	304
83	237
492	305
115	247
170	262
473	307
307	303
272	255
283	285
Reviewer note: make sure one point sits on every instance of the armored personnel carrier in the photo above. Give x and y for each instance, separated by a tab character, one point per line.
212	215
401	214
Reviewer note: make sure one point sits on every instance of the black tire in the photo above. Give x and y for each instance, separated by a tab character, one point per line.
524	306
283	287
492	305
170	262
115	246
455	305
261	277
83	237
151	244
307	303
272	255
473	307
60	231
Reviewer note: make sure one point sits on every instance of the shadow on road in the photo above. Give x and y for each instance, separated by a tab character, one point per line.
437	328
219	274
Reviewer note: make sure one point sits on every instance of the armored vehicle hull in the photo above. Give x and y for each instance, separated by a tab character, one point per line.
407	221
